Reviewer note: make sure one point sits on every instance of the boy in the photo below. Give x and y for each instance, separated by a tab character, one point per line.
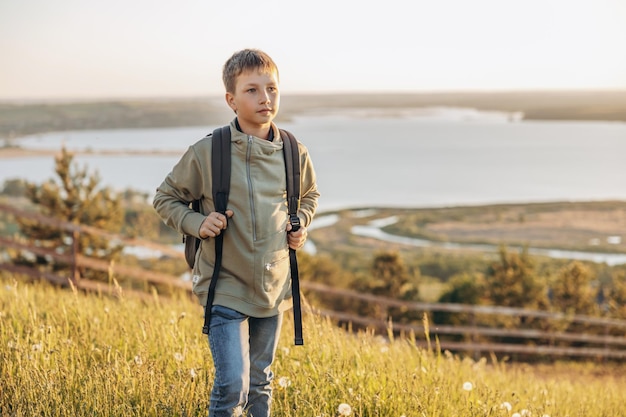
253	288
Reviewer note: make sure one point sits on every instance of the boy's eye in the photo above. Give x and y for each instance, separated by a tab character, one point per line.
251	90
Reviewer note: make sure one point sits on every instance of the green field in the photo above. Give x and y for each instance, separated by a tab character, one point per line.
65	353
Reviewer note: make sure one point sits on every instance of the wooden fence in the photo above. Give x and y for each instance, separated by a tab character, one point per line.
602	337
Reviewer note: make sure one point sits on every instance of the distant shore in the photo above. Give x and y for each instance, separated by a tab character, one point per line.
16	152
21	119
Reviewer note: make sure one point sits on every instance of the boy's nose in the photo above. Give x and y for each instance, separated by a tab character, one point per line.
265	97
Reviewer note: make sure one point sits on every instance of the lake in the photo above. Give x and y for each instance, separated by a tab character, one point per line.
443	158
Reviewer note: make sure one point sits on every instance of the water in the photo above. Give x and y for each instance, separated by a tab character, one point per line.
432	161
399	162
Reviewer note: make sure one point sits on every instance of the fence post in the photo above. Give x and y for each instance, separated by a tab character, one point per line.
474	337
75	274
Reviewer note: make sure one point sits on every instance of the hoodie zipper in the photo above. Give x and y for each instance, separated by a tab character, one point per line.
250	189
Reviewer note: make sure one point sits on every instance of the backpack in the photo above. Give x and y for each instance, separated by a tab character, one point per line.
220	169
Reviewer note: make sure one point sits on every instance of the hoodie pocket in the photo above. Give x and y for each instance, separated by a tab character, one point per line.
201	276
275	273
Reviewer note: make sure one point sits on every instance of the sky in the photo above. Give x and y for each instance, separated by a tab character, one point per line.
92	49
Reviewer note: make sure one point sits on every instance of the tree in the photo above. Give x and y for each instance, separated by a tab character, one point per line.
464	288
572	291
74	197
389	277
15	187
511	281
617	295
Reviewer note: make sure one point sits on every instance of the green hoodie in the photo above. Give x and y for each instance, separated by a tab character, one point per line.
254	277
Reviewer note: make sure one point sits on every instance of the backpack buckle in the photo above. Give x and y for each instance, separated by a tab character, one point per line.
295	222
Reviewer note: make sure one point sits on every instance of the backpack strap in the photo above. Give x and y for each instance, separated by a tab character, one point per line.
220	170
292	167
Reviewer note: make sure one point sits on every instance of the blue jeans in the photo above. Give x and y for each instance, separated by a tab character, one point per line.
243	350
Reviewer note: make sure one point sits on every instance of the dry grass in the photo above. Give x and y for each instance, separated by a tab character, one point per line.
71	354
566	228
586	226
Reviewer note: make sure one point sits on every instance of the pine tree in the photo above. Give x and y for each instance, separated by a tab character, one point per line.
463	288
389	278
617	295
572	291
76	197
511	282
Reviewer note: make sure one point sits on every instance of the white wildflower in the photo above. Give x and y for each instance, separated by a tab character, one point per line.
284	382
344	409
37	347
178	356
516	415
525	413
506	406
467	386
193	373
138	360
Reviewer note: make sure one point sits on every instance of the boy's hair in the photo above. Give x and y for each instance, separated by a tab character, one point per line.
246	60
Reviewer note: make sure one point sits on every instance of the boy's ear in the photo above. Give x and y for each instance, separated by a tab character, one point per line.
230	100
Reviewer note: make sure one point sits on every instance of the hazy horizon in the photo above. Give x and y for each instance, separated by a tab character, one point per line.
219	96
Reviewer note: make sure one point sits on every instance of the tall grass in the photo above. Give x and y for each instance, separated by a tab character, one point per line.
65	353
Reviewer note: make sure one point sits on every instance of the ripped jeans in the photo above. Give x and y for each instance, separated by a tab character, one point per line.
243	349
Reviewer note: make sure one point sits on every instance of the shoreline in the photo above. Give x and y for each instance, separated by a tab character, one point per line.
16	152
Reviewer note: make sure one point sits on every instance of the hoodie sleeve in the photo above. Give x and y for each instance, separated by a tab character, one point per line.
308	187
181	186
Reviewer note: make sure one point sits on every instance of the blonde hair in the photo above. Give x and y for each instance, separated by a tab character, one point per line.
246	60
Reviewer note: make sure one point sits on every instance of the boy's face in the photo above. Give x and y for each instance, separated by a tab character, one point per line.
256	98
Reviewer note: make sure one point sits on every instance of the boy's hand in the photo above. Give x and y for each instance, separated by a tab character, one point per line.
214	223
296	239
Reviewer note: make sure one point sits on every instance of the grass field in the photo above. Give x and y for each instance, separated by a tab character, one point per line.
65	353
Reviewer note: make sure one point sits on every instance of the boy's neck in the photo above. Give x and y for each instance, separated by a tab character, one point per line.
260	131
